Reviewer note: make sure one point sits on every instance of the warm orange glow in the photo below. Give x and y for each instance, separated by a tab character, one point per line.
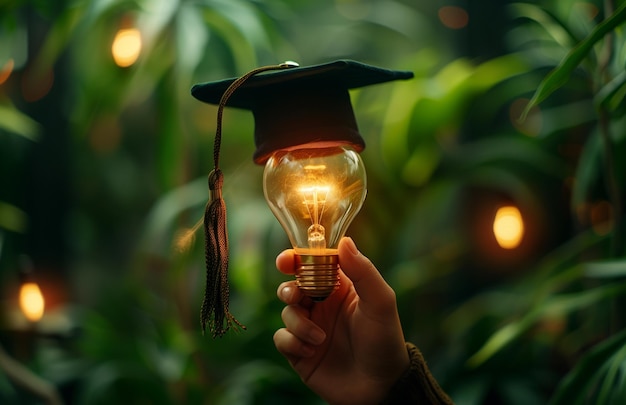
453	17
106	135
6	70
601	217
586	9
126	46
31	301
36	83
508	227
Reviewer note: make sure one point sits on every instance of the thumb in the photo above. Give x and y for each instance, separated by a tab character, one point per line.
375	295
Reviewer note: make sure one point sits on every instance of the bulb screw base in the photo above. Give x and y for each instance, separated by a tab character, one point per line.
317	275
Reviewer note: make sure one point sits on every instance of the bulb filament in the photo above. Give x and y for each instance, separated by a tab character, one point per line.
315	202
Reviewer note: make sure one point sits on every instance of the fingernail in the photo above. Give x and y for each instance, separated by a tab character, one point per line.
286	293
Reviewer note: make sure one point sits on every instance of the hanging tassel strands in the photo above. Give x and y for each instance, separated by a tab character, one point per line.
215	306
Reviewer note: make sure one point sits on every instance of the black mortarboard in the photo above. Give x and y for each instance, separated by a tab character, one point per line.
301	104
292	106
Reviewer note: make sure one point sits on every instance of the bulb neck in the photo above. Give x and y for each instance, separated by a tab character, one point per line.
317	275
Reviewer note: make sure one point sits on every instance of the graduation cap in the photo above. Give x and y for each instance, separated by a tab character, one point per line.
292	106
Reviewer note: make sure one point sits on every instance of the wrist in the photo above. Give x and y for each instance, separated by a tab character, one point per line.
416	385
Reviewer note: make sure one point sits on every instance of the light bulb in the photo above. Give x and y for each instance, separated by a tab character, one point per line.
315	191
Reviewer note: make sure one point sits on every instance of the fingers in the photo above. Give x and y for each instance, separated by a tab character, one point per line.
296	320
290	346
285	263
296	314
374	293
289	293
301	336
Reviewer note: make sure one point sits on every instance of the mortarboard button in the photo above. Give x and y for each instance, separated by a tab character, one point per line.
301	104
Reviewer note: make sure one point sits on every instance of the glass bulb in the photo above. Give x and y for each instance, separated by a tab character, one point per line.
315	191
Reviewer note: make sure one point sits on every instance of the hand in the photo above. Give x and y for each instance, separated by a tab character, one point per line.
349	348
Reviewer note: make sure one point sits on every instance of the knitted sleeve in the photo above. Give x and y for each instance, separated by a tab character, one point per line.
416	386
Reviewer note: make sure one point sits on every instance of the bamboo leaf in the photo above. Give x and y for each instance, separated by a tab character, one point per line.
607	269
191	38
611	95
587	170
500	339
614	365
504	149
620	386
555	305
18	123
557	120
575	385
559	75
551	23
13	218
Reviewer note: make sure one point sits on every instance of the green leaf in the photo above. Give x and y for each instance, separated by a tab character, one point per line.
503	150
242	49
161	220
606	269
18	123
559	75
611	95
500	339
557	120
555	305
614	365
587	170
558	30
620	386
191	38
575	386
12	218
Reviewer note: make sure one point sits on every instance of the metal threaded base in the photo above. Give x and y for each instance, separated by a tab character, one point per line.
317	276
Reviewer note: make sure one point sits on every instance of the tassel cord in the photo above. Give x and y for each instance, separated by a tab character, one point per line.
224	100
215	305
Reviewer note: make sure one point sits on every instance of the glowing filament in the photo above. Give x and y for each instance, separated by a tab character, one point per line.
315	202
31	301
508	227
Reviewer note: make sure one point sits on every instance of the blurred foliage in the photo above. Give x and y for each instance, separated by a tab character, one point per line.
102	173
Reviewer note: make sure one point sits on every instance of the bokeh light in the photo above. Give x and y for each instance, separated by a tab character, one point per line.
36	83
601	217
105	135
126	47
6	70
32	302
508	227
453	17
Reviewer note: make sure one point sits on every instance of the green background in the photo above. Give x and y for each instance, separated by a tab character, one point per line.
103	168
